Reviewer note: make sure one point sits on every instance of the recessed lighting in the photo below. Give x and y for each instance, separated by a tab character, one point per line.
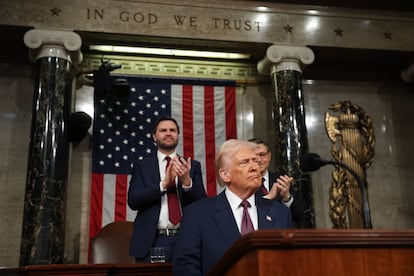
168	52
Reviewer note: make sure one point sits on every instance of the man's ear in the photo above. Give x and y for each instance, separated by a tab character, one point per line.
225	175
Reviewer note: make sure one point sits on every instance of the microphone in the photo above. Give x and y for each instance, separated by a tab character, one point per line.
310	162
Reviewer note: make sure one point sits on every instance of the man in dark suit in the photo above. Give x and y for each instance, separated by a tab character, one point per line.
284	189
210	226
154	180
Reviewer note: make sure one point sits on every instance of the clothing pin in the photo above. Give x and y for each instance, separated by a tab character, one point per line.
268	218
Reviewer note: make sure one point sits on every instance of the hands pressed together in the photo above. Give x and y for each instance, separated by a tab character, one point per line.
179	166
282	187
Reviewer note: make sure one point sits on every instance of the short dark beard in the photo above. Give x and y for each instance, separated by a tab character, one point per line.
165	147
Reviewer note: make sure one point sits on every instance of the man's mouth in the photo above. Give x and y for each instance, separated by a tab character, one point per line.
256	176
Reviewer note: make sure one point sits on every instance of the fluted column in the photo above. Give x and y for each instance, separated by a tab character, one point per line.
284	65
54	52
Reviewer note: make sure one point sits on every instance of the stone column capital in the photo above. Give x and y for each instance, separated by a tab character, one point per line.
53	43
282	57
407	74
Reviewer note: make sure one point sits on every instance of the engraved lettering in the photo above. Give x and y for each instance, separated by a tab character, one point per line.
226	24
94	14
138	17
152	18
216	22
179	19
193	21
124	16
236	24
258	25
248	25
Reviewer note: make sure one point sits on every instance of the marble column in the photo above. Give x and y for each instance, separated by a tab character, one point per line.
54	53
284	66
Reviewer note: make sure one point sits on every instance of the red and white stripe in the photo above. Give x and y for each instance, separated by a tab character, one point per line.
207	117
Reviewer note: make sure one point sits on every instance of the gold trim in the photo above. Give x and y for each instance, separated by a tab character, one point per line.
243	73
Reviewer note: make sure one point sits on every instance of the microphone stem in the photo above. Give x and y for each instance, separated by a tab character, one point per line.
362	186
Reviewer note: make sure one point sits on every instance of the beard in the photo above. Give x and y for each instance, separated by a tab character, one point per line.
165	146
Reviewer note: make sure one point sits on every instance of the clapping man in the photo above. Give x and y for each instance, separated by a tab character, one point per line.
280	187
161	186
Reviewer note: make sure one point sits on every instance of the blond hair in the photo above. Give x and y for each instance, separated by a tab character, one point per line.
226	152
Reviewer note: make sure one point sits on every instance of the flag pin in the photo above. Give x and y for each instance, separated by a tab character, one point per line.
268	218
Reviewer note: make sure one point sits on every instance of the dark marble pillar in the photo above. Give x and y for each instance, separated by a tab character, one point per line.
284	66
48	160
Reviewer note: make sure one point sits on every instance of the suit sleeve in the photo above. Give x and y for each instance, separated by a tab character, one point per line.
144	187
187	254
197	191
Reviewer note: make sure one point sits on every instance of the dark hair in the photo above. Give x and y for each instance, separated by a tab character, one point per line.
165	118
259	141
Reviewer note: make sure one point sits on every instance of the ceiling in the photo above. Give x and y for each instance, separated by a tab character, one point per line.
384	5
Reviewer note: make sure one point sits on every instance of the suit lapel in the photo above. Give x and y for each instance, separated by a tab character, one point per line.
151	165
264	216
225	220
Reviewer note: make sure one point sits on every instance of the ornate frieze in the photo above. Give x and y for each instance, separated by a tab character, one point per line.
219	20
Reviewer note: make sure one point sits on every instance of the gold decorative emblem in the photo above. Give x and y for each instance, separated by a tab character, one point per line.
352	135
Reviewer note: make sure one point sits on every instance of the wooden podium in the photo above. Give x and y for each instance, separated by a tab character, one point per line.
90	270
319	253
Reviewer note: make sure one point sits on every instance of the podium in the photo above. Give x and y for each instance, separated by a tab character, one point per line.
320	252
146	269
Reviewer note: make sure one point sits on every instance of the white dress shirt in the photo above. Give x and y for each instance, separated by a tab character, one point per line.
163	221
237	210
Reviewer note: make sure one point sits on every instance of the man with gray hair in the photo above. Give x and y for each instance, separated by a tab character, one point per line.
210	226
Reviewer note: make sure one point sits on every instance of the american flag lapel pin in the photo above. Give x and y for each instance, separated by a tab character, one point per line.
268	218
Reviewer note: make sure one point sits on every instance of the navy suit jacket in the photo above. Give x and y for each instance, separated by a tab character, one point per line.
296	208
208	230
144	195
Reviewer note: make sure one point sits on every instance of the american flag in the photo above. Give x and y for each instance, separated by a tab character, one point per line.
122	132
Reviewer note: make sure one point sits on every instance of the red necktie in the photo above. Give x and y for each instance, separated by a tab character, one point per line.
174	213
246	223
264	190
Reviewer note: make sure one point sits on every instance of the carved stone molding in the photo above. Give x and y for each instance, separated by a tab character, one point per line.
217	20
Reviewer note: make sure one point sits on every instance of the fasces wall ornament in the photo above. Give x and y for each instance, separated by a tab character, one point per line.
352	135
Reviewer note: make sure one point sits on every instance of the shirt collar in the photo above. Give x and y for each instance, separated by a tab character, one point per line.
235	201
266	176
161	156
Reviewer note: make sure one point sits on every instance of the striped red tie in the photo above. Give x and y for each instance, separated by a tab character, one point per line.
174	213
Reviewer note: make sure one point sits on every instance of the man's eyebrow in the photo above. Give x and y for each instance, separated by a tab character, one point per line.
168	128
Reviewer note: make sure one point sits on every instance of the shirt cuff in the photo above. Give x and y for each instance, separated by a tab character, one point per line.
289	202
187	188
